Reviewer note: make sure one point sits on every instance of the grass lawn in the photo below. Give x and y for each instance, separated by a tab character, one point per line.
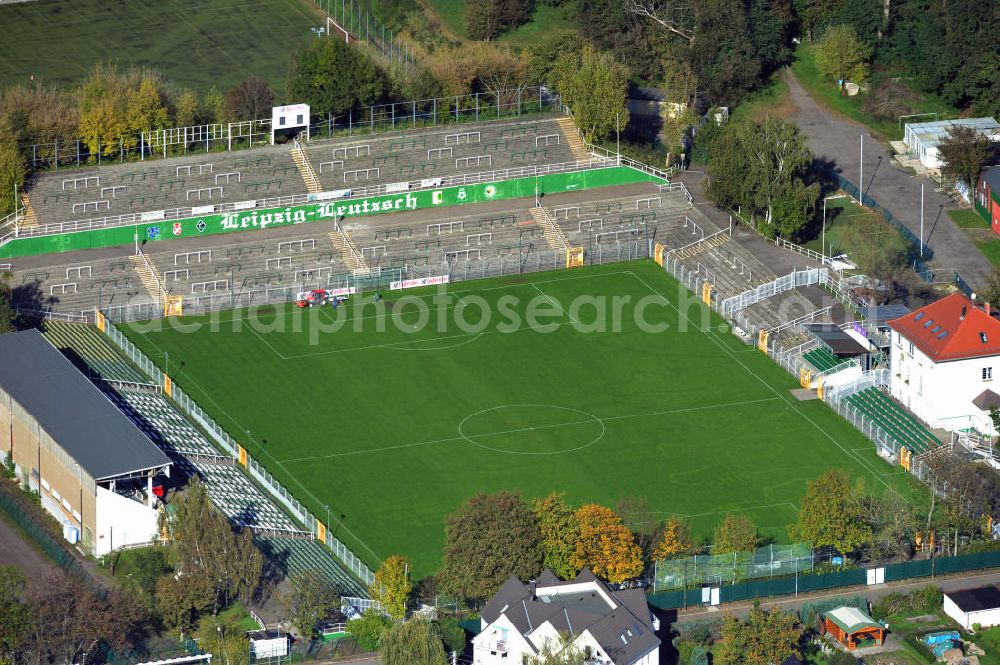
393	424
452	13
968	219
771	99
195	43
989	640
989	245
544	21
839	215
828	94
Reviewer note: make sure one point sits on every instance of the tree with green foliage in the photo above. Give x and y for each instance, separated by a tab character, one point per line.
842	57
545	52
761	167
560	531
699	656
309	599
15	615
879	252
7	312
452	634
181	600
228	643
735	533
413	642
892	520
490	538
332	77
206	550
963	154
367	629
594	86
392	586
764	638
832	515
12	175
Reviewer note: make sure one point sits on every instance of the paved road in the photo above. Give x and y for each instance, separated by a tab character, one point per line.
872	593
838	140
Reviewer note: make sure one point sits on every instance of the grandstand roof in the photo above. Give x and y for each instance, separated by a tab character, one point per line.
951	328
71	409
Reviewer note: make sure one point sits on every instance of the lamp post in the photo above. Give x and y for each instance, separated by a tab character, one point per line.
166	363
823	232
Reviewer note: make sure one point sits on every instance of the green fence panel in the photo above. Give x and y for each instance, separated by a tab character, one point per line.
907	570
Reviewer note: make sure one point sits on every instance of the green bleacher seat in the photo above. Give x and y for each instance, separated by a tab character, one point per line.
85	345
824	359
894	419
295	555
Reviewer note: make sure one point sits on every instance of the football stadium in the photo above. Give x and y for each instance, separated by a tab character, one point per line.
346	338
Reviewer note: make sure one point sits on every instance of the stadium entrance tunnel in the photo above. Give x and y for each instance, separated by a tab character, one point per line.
532	429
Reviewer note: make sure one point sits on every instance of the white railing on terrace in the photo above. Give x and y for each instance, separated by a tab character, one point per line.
792	280
152	273
55	228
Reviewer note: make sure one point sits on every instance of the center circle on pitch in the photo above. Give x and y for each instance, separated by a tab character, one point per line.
532	429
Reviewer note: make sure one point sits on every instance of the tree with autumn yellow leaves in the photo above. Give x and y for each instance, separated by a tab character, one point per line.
560	533
392	585
606	545
674	541
117	105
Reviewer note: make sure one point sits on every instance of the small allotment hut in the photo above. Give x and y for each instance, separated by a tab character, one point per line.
853	628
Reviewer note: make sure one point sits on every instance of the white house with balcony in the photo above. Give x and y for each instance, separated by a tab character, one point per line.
609	627
943	361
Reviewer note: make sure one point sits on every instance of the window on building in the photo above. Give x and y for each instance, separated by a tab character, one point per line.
987	374
911	349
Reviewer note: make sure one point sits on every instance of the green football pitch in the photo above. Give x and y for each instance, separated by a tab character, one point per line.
598	382
195	43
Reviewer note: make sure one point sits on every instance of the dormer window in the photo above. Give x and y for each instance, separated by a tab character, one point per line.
982	337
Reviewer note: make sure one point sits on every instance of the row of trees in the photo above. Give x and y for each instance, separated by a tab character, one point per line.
946	48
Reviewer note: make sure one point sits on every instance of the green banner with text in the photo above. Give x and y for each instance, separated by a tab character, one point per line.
259	219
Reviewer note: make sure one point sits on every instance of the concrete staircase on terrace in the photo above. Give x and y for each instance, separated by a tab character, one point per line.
551	231
573	139
306	170
29	218
149	276
703	246
348	251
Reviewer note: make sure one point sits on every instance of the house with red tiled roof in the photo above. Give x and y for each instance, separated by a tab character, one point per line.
943	361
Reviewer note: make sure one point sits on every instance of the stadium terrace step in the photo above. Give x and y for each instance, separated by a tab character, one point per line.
83	344
148	274
573	139
551	231
348	251
294	556
702	246
29	219
306	170
894	419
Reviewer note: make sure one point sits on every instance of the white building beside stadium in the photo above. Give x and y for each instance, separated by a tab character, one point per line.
945	359
609	627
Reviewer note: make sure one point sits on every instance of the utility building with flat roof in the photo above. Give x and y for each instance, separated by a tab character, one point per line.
92	467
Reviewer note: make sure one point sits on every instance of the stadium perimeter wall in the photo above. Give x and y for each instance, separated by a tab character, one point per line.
334	209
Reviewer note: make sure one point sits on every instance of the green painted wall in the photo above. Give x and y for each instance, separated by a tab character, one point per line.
249	220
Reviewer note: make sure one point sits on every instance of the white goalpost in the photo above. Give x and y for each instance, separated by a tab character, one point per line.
332	25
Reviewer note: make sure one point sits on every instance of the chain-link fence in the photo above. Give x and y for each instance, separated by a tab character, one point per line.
770	561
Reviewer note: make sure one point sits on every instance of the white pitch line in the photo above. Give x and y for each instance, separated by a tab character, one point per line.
562	310
864	463
538	427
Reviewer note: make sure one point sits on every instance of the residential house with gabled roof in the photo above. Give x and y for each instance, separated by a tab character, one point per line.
611	627
943	361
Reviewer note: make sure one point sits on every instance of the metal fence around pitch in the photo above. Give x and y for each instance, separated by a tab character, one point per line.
802	581
244	134
770	561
